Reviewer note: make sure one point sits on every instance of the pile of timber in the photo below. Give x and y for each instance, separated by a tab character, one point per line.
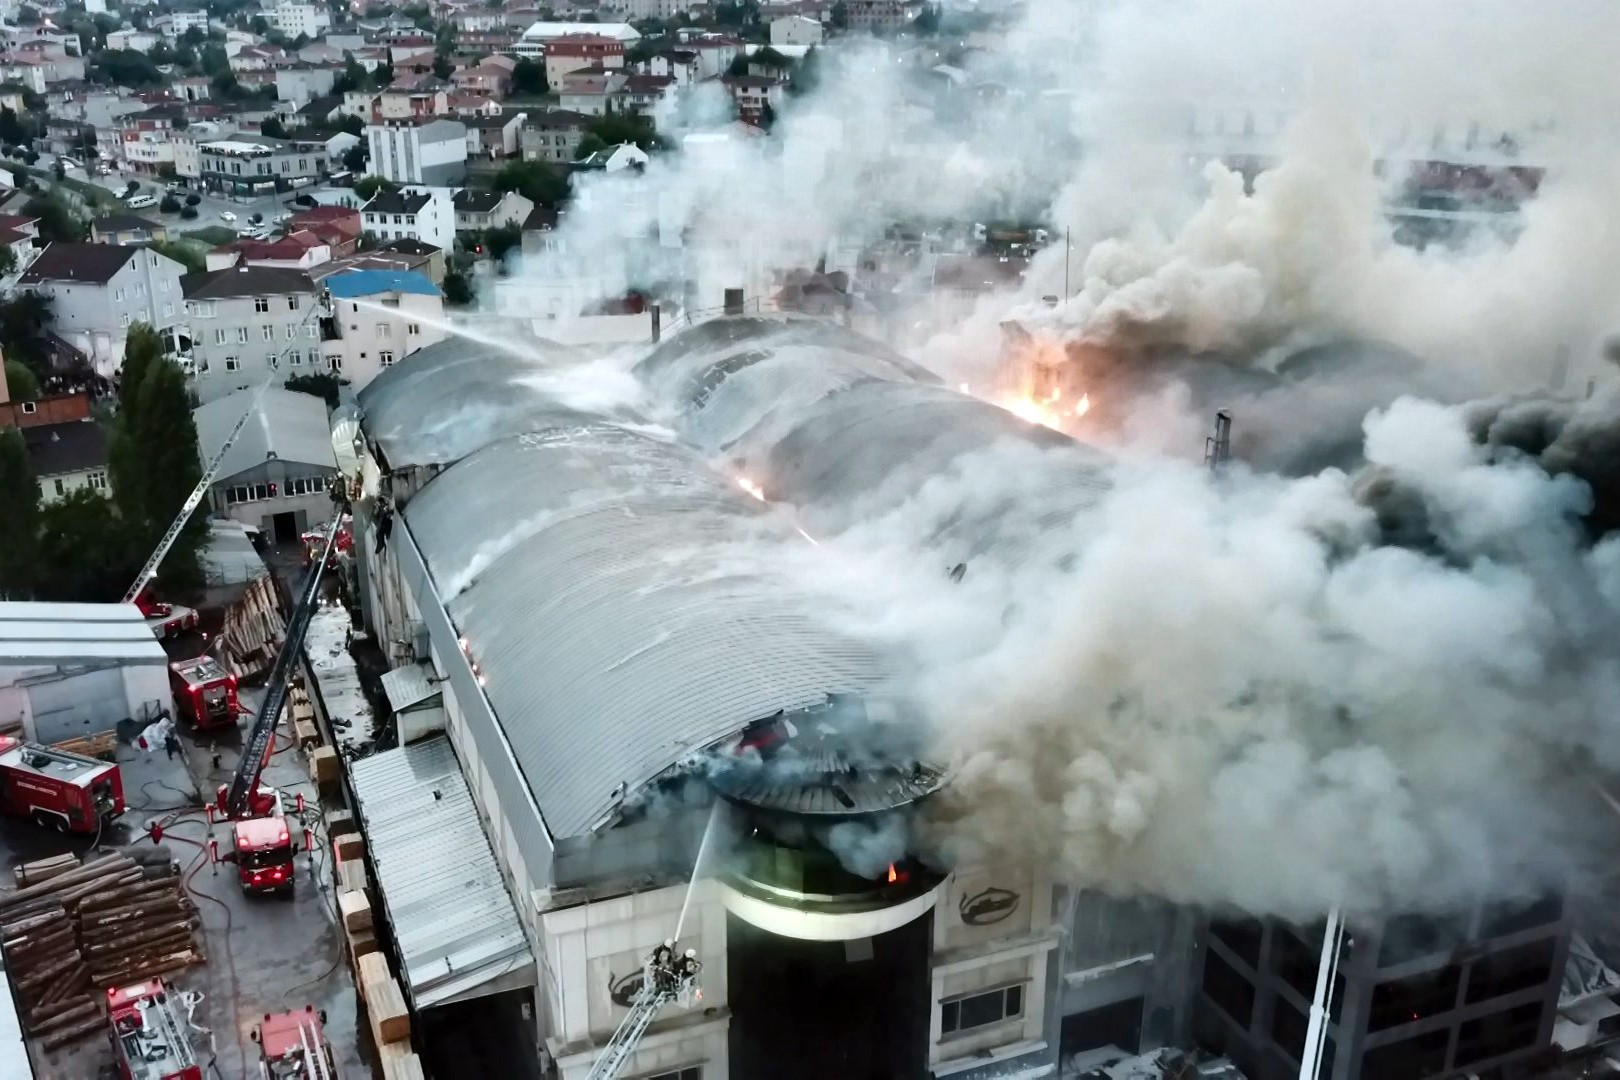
71	933
254	627
103	746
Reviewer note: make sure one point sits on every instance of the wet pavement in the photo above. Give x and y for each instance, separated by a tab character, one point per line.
265	954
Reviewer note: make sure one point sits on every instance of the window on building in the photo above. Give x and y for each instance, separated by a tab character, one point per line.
292	303
219	335
385	358
140	290
61	488
1229	990
273	360
292	331
1511	970
1409	1059
1416	997
241	335
168	310
124	319
29	408
334	363
1241	936
309	331
163	286
261	491
118	295
413	329
1501	919
202	366
98	480
383	330
1288	1027
295	358
1295	959
261	303
1498	1034
231	363
979	1010
268	332
397	219
1407	937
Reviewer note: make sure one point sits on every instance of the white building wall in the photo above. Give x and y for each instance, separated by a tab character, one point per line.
60	485
295	19
230	349
400	152
795	30
96	318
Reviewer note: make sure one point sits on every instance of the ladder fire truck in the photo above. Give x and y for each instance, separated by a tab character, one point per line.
293	1046
665	977
149	1039
261	841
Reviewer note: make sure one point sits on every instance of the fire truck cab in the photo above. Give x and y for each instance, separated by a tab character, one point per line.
204	691
262	844
64	791
166	620
293	1046
148	1034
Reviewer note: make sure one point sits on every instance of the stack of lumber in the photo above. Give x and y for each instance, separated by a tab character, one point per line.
254	627
32	873
385	1002
103	746
303	716
71	933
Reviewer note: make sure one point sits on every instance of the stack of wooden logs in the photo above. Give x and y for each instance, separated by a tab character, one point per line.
73	932
254	627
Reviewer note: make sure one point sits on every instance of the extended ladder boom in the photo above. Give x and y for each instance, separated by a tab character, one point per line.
256	751
660	985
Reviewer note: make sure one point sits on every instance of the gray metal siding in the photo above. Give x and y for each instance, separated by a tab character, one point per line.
82	704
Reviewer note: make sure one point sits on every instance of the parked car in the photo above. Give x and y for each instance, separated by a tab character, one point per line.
226	215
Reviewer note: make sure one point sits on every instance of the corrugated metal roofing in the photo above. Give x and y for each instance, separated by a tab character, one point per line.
288	426
458	932
624	608
408	685
443	402
57	634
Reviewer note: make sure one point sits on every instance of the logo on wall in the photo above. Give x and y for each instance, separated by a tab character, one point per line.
988	907
623	989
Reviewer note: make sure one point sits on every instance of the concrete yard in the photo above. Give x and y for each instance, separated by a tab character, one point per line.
265	954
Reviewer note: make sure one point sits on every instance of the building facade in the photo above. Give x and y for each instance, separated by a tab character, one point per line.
432	153
255	166
379	317
418	213
575	52
293	19
247	323
98	291
67	457
277	475
552	136
479	210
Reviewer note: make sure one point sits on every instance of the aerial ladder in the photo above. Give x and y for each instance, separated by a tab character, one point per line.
209	473
665	978
262	844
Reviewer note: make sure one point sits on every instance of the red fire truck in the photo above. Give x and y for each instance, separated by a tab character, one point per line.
293	1046
149	1035
204	691
166	620
264	852
67	792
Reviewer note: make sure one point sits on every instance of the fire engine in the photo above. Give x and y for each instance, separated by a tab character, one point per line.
314	541
293	1046
67	792
204	691
262	843
166	620
148	1036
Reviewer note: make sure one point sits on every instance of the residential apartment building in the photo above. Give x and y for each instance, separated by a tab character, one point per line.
752	94
303	82
247	322
432	153
683	66
181	21
379	317
576	52
591	92
539	35
145	140
67	457
420	213
127	229
635	10
795	30
480	210
25	73
293	19
552	136
412	99
494	137
98	291
877	16
252	165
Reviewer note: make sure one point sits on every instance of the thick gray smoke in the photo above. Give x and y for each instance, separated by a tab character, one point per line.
1369	688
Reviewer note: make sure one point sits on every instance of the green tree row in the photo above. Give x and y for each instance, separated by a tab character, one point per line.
86	546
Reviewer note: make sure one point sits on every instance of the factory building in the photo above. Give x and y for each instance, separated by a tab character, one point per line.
592	644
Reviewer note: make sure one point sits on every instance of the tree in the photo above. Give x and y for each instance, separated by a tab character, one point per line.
456	290
19	494
839	16
501	239
382	75
354	158
8	261
60	169
273	128
618	128
193	199
131	188
24	321
352	124
93	557
535	181
806	74
127	67
589	143
738	66
443	67
184	254
154	461
12	131
189	213
529	78
321	385
56	221
169	205
21	382
367	187
353	77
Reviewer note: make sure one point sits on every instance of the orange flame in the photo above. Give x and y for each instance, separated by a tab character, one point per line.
894	875
752	488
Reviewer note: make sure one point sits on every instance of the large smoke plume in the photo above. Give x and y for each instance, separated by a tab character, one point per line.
1375	687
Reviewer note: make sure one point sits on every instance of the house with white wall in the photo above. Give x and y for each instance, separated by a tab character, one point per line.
379	317
247	322
99	291
414	213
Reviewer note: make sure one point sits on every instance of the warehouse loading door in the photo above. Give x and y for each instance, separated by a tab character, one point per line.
76	705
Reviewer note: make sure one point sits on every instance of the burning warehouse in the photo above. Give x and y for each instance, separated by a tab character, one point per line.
650	726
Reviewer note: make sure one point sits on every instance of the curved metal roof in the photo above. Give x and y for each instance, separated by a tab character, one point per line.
623	608
447	400
842	427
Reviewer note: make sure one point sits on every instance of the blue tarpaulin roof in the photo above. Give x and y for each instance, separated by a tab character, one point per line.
354	283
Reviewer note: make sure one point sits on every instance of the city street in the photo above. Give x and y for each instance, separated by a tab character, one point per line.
208	211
